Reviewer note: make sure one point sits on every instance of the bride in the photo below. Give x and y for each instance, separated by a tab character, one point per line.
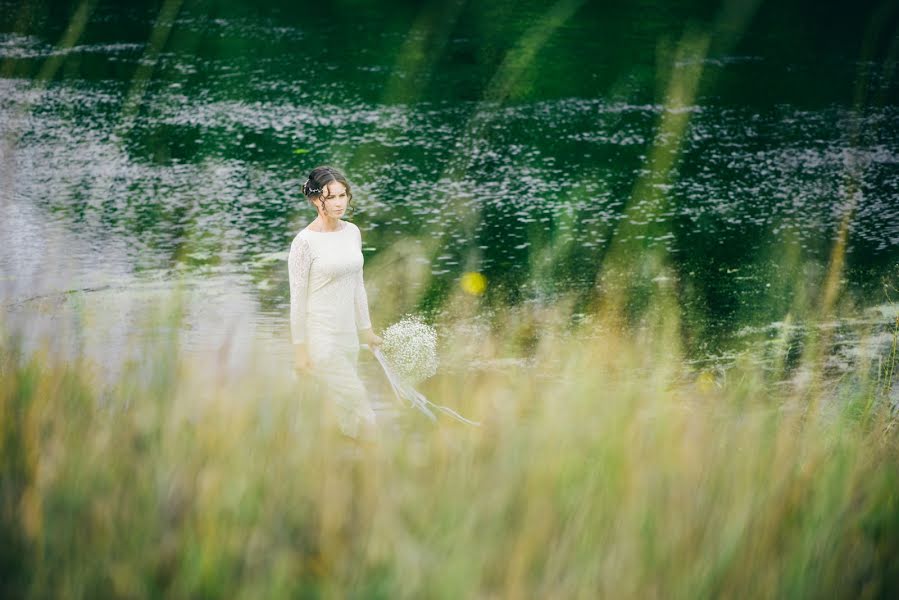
328	305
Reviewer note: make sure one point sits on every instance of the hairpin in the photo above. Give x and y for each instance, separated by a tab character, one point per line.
310	191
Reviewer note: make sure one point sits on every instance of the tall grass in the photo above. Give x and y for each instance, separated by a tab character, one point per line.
601	469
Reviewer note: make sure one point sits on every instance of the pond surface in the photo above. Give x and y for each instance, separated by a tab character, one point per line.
161	145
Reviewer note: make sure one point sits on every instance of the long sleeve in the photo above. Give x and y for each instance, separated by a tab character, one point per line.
299	262
360	298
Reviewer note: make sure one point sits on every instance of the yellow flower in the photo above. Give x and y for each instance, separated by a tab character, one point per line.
473	283
706	382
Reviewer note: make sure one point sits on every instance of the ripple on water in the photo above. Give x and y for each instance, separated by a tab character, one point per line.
783	171
207	156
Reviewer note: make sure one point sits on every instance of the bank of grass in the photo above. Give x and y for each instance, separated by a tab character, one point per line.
600	470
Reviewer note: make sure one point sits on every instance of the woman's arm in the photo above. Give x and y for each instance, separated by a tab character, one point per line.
299	261
360	302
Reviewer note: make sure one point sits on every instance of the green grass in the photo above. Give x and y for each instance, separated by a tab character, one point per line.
601	470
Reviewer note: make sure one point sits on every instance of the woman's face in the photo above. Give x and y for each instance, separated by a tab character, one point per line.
334	200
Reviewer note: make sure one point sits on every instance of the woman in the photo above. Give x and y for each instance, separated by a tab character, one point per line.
328	305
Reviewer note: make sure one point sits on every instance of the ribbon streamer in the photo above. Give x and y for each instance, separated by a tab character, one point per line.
405	392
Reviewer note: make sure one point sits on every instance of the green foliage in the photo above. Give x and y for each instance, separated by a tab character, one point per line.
599	469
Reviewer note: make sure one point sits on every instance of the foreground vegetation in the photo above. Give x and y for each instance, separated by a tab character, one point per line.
602	469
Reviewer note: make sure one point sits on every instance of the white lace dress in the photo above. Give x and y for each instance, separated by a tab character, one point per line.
328	308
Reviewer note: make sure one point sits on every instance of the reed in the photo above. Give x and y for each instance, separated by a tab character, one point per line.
600	468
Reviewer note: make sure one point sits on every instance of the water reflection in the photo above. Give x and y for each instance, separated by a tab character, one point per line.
203	182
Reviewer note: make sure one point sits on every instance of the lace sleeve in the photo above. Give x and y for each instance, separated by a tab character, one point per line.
360	298
298	263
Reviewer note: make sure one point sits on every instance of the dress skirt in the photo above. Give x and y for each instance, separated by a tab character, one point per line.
334	356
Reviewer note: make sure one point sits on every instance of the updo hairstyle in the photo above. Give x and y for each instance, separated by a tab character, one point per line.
319	178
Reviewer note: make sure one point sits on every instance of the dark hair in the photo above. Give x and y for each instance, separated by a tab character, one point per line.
321	177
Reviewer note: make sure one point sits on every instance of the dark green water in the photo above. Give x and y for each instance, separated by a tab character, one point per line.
167	139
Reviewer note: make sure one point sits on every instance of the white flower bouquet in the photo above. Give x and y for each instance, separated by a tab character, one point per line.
408	355
411	347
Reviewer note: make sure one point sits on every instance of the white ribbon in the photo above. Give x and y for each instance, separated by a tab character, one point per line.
405	392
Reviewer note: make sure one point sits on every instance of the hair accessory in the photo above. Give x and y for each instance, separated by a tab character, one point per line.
311	191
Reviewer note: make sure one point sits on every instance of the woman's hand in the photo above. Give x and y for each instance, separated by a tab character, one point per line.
301	361
368	337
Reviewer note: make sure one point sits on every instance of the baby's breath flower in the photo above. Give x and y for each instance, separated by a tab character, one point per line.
411	347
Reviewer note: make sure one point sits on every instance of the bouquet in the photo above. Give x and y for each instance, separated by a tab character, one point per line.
411	347
409	354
